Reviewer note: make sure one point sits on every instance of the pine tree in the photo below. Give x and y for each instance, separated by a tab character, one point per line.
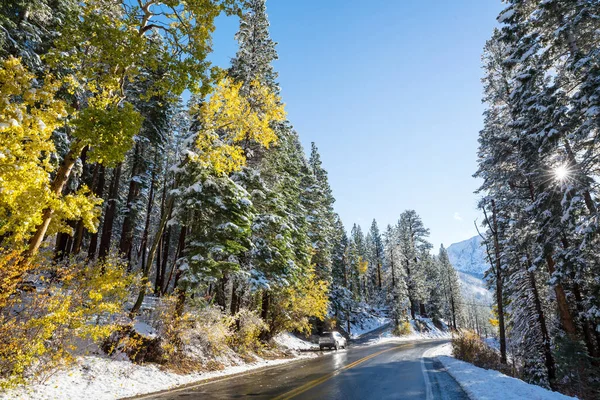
375	251
397	291
412	238
451	288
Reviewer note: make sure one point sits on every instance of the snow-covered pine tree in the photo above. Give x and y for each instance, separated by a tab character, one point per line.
375	252
450	286
412	238
397	291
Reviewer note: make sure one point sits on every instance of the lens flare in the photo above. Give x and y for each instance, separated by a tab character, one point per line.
561	173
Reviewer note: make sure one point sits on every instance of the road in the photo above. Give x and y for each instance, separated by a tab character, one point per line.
384	371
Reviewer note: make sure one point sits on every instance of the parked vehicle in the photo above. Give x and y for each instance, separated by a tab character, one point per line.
332	340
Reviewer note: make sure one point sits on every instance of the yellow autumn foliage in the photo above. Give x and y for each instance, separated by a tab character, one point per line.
294	305
232	115
363	266
29	113
47	310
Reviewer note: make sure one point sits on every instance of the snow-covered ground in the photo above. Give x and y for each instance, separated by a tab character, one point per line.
367	325
292	342
100	378
432	333
484	384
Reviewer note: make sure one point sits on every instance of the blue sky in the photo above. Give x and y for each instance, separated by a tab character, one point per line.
390	92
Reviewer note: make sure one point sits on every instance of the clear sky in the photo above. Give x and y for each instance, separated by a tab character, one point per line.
390	91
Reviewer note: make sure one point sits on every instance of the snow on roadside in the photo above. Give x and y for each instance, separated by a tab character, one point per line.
101	378
367	325
442	350
484	384
415	334
292	342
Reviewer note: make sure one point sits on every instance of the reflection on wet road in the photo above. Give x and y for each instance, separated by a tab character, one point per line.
385	371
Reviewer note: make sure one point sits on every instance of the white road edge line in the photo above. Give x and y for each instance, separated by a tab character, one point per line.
428	391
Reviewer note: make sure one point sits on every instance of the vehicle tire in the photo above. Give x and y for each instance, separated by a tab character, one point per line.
335	347
321	348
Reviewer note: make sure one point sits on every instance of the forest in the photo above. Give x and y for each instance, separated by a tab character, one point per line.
143	187
538	160
123	204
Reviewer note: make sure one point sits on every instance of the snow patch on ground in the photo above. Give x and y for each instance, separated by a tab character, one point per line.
432	332
366	318
292	342
492	342
101	378
367	325
145	330
443	350
484	384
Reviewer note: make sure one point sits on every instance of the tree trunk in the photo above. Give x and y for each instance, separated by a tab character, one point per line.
499	286
145	234
548	357
453	312
78	239
59	182
234	298
165	243
60	250
88	180
98	191
126	242
151	254
264	312
566	320
222	292
111	212
379	275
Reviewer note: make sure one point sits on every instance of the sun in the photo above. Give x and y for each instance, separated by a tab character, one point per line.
561	173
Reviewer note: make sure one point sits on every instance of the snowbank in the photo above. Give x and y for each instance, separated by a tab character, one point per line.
100	378
443	350
433	332
292	342
483	384
367	325
366	318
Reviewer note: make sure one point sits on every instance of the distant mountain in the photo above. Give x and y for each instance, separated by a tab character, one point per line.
469	257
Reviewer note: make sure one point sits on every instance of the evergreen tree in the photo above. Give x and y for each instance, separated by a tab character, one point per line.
375	251
412	238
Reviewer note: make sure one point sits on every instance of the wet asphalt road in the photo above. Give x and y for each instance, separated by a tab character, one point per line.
385	371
